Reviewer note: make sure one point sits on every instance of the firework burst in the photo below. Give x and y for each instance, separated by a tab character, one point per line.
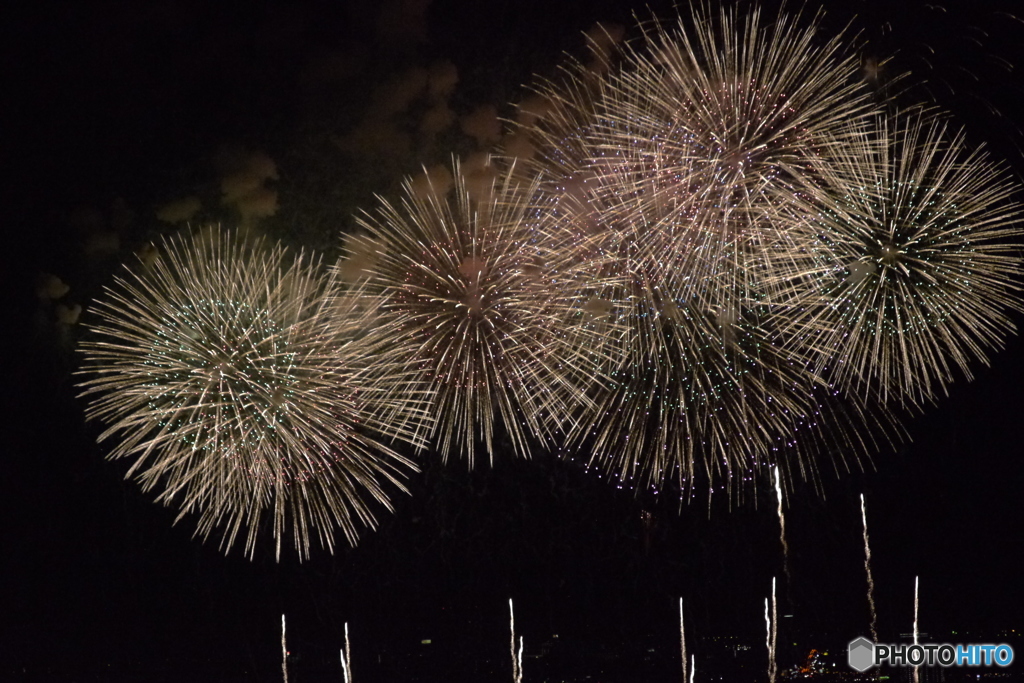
676	160
918	261
710	257
228	373
689	145
487	306
731	110
703	394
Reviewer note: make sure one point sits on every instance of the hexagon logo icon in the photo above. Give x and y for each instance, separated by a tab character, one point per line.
861	654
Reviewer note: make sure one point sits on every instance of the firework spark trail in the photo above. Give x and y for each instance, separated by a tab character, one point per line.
512	630
517	661
782	523
346	658
682	638
916	673
284	652
693	667
775	633
867	570
243	384
519	658
771	627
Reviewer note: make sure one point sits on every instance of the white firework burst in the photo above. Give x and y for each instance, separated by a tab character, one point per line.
487	305
227	372
919	261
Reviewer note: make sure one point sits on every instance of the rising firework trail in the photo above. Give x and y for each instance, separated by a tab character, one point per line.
284	651
782	523
771	626
916	632
682	638
775	633
517	658
346	658
867	570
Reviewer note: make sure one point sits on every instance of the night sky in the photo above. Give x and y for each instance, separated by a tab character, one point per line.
113	109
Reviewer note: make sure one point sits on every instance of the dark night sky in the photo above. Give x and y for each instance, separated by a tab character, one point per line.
111	100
